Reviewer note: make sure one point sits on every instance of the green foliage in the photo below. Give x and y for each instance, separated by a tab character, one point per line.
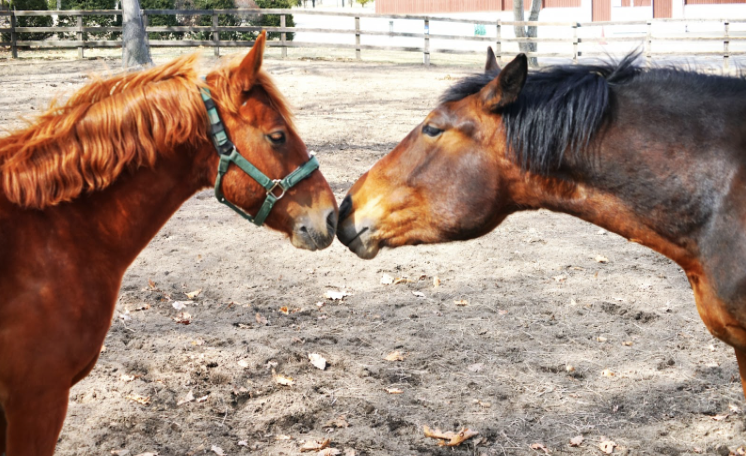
161	20
273	20
40	21
90	21
363	2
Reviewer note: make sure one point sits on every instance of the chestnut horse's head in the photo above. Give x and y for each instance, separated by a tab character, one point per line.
258	122
445	181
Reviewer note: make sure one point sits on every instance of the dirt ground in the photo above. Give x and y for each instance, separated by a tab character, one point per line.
552	344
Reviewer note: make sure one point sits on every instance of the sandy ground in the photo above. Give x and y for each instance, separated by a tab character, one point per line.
522	363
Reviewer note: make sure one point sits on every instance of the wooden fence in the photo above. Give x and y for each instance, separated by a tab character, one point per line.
565	38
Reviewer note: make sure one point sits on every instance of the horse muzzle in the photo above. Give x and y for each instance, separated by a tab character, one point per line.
357	235
315	232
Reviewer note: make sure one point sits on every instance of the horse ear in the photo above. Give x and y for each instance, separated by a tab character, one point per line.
491	66
506	87
251	64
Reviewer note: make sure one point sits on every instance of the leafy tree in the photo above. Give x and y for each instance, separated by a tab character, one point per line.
39	21
90	21
273	20
161	20
364	2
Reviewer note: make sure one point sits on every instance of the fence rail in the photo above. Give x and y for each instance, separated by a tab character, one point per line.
567	41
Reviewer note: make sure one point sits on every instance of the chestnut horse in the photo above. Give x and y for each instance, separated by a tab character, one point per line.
85	188
655	155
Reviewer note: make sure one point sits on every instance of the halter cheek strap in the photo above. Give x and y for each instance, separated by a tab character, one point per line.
229	154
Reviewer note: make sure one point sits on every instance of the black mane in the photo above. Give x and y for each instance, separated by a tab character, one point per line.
559	108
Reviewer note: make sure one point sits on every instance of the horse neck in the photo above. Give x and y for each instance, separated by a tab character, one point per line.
120	220
611	197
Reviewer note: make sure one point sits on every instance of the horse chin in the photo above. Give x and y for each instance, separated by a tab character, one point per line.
364	250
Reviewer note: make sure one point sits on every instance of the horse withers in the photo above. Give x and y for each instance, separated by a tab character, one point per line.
90	182
656	155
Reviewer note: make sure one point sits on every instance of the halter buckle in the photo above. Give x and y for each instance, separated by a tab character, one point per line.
275	184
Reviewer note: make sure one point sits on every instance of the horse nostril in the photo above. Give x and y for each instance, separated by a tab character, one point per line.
331	221
303	229
345	208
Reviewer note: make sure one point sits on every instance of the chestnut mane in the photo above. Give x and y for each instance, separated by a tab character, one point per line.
122	122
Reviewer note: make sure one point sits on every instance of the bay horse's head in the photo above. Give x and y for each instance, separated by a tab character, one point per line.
445	180
257	120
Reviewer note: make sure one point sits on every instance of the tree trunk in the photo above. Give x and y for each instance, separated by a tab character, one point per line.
527	32
135	48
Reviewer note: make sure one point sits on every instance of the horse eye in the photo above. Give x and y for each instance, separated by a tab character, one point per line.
277	138
431	131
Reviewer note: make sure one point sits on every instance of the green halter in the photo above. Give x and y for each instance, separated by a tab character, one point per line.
229	154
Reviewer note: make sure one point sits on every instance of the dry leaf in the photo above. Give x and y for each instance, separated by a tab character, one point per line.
329	452
627	343
336	295
395	356
151	284
261	320
419	294
317	360
601	339
720	417
559	278
281	379
741	451
243	443
387	279
142	400
399	280
183	318
103	348
124	452
217	450
607	446
607	373
569	368
436	282
539	446
203	398
180	305
338	422
189	398
393	390
461	302
193	294
602	259
283	437
576	441
127	378
284	310
243	363
315	445
450	438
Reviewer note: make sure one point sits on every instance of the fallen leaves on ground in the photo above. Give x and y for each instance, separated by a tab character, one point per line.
607	373
181	305
338	422
127	378
336	295
461	302
317	360
183	318
387	280
601	259
217	450
539	447
576	441
261	320
124	452
151	284
419	294
281	379
189	398
193	294
315	445
722	417
449	438
243	363
399	280
607	446
394	356
436	282
393	390
142	400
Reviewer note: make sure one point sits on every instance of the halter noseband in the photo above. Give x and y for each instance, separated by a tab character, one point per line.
229	154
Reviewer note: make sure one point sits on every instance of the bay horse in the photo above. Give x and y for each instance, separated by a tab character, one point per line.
91	181
657	155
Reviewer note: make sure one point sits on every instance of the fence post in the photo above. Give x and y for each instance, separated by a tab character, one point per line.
215	33
426	53
13	36
575	42
283	36
649	42
726	47
80	37
499	44
357	38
